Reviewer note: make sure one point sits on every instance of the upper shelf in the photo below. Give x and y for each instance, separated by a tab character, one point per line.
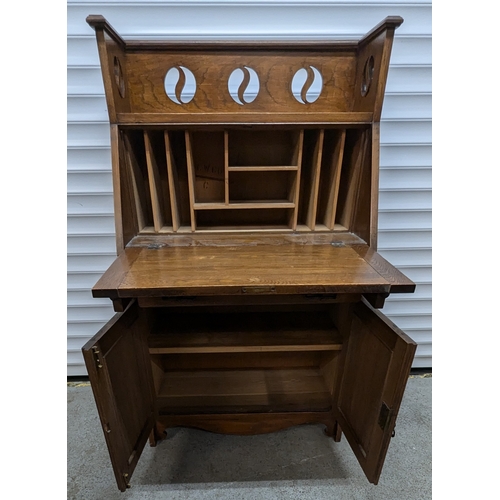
164	82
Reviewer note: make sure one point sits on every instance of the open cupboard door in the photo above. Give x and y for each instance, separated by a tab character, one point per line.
119	370
377	364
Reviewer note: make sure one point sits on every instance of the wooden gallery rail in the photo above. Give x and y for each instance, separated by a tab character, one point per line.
247	281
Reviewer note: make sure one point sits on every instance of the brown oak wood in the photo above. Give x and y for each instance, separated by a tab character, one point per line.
399	282
374	195
121	238
157	190
247	423
255	390
244	332
331	170
120	374
369	388
268	270
317	118
246	231
191	180
173	183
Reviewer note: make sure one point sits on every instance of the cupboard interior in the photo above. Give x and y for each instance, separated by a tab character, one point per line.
234	360
213	180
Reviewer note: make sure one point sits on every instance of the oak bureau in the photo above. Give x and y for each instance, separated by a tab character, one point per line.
247	282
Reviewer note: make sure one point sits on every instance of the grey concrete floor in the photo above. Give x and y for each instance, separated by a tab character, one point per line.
297	463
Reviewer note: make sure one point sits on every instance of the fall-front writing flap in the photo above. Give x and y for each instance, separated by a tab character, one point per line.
235	270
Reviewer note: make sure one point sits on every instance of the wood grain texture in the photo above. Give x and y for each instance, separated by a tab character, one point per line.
135	164
118	192
191	179
218	271
399	282
314	193
246	232
341	237
374	181
248	300
245	424
146	73
120	374
369	387
244	332
331	171
155	184
238	391
318	118
173	183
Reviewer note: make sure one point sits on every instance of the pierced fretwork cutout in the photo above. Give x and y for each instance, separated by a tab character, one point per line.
307	84
367	75
180	84
120	83
243	85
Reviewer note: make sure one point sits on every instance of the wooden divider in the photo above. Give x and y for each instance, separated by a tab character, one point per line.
331	170
303	183
312	204
190	168
155	185
226	167
173	183
295	188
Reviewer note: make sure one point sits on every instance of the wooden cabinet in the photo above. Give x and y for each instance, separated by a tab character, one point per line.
247	281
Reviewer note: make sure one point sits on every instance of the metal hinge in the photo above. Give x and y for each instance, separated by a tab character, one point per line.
95	350
384	416
127	482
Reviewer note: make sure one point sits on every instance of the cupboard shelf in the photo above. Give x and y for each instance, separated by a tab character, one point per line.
245	332
237	391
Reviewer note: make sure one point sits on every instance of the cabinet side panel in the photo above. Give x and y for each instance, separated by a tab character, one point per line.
114	73
371	74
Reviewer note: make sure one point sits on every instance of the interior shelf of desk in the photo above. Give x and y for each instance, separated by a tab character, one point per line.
259	361
244	332
251	390
260	179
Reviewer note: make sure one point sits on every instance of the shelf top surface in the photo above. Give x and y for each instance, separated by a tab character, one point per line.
242	270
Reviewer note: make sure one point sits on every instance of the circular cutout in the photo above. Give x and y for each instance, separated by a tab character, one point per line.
120	82
307	84
180	84
367	77
243	85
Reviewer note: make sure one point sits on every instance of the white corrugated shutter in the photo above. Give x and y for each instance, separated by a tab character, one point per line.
405	160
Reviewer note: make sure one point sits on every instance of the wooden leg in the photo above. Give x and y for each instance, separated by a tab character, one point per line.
152	440
334	431
157	434
337	432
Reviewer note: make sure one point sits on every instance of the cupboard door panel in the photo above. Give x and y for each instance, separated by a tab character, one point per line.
377	364
119	369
